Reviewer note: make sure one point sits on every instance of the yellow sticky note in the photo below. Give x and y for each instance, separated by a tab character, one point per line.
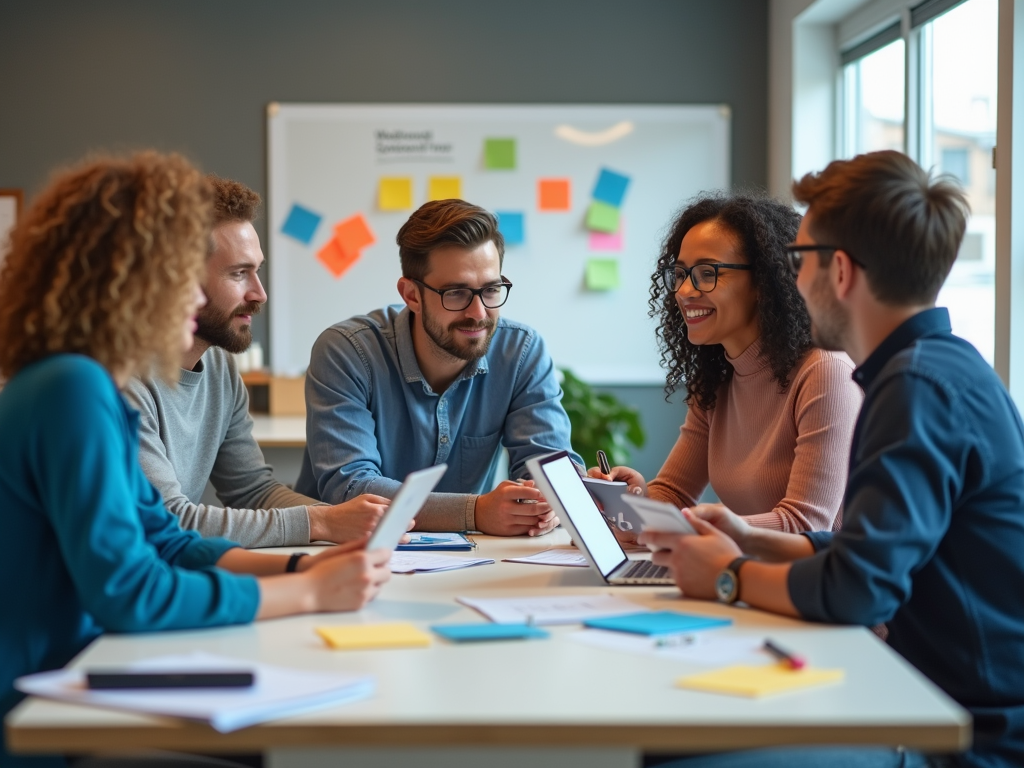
755	682
444	188
394	193
366	636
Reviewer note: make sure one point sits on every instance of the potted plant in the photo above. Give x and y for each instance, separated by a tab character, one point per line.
600	421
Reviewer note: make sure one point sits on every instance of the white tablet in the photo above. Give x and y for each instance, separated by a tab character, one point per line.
608	493
658	516
403	508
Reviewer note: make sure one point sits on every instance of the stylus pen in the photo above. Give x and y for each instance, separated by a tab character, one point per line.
794	661
524	501
602	461
117	680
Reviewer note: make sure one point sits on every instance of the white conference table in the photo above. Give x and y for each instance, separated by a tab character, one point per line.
279	431
552	702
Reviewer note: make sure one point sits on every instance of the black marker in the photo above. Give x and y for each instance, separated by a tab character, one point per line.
126	680
602	461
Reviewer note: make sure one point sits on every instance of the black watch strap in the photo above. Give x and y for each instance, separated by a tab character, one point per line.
293	562
736	564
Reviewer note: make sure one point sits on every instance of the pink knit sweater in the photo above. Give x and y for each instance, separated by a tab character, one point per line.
778	458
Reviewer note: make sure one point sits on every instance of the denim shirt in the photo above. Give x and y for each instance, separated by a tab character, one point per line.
933	532
372	418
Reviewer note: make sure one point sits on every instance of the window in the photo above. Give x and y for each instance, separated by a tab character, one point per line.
953	46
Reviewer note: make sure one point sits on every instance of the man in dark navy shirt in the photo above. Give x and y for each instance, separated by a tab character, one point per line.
933	532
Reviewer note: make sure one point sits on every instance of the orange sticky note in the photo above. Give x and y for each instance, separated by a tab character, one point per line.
554	194
354	234
337	260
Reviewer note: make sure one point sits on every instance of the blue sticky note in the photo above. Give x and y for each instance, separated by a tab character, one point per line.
461	633
610	187
511	226
657	623
301	224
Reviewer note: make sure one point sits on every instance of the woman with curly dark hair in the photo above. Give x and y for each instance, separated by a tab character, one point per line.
770	417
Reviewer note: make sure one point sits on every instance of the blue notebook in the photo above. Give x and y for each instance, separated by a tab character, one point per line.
436	542
461	633
657	623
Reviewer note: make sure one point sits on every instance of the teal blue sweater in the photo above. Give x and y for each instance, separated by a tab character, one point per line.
89	545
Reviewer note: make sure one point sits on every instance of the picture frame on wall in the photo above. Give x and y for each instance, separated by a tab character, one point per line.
11	201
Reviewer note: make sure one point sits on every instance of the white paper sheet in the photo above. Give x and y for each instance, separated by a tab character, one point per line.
557	609
566	557
277	691
421	562
707	647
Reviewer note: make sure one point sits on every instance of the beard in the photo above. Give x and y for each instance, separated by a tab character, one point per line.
462	349
214	327
829	321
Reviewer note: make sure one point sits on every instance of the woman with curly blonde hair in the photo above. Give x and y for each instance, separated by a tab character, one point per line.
102	283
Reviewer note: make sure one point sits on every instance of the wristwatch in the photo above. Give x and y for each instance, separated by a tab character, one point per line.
727	585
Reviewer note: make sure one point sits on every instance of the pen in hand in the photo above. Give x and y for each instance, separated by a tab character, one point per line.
602	462
524	501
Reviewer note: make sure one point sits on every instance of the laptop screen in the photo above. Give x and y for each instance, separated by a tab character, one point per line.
583	513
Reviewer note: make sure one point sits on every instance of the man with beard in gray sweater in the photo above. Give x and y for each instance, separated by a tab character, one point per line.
201	430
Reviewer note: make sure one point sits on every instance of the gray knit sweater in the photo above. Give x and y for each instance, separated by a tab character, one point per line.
201	430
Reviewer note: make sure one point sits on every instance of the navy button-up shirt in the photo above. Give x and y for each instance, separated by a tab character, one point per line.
371	417
933	528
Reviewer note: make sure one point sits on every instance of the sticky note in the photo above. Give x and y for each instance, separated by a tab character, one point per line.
461	633
394	193
353	234
602	274
512	227
605	241
500	154
610	187
337	260
754	682
444	188
365	636
602	217
554	194
301	224
657	623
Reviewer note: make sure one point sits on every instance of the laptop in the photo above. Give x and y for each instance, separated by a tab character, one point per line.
562	486
403	508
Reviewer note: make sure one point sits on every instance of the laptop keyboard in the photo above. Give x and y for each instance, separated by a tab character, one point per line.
645	569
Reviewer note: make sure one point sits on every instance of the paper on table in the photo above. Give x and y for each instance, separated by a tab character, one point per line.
567	557
356	637
436	541
409	562
557	609
706	648
755	682
277	692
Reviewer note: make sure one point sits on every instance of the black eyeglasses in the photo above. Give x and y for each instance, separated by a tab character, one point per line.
795	255
457	299
704	277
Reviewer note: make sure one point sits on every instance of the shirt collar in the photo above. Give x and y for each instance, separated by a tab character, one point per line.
928	323
407	353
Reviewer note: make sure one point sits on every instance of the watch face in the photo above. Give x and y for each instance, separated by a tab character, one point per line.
725	586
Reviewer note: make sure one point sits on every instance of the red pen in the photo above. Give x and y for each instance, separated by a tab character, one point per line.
794	661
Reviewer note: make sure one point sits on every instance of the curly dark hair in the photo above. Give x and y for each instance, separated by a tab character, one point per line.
763	227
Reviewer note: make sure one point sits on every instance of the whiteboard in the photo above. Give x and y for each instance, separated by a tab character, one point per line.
330	158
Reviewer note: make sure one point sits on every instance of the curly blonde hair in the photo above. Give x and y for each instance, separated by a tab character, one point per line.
104	263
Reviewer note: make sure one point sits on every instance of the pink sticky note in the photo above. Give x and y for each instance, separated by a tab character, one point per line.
608	241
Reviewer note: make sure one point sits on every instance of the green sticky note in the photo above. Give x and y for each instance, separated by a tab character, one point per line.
500	154
602	274
602	217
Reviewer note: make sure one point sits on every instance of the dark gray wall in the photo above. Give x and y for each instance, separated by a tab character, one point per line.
195	76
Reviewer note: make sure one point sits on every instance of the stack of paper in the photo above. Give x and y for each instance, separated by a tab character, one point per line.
755	682
444	542
566	557
422	562
707	650
358	637
558	609
277	691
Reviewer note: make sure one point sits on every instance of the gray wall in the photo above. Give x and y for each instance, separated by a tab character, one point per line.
195	76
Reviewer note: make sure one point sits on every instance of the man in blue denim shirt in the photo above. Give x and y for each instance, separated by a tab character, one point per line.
933	530
444	379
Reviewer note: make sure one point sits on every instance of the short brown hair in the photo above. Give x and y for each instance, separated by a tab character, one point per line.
445	222
903	226
102	264
233	201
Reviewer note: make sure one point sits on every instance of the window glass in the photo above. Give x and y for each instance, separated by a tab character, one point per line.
958	55
873	88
